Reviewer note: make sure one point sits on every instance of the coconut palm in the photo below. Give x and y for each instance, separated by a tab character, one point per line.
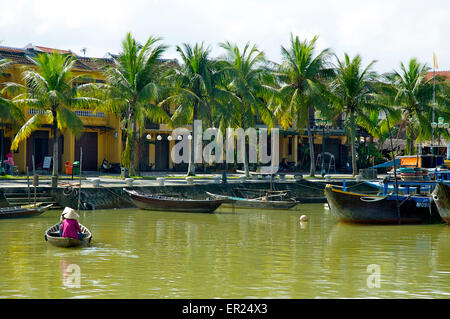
353	95
193	90
51	91
247	76
133	89
303	78
412	93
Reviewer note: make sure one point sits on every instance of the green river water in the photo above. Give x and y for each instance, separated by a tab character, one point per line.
245	254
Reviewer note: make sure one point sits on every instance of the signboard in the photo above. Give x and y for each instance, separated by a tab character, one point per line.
47	162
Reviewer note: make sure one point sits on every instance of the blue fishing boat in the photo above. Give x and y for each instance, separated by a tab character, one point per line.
414	206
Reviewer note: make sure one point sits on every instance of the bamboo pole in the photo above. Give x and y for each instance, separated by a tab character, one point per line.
28	186
395	170
34	180
79	187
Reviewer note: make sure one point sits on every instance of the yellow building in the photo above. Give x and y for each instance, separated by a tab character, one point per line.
101	137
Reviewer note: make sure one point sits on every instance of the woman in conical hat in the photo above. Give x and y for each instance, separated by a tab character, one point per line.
70	226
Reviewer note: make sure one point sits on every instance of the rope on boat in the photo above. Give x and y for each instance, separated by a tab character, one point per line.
403	201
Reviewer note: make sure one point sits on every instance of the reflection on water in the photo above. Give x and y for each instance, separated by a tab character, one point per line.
246	254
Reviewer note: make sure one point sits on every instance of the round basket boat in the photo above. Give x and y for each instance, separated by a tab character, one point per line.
52	236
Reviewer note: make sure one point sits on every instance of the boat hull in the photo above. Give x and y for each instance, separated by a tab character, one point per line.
236	202
441	197
367	209
159	203
22	212
65	241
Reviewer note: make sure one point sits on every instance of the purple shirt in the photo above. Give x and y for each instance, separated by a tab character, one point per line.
70	228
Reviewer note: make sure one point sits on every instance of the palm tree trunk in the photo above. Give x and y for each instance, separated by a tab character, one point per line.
312	170
191	167
133	147
410	137
55	150
352	141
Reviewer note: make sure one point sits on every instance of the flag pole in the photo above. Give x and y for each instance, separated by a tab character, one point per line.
434	106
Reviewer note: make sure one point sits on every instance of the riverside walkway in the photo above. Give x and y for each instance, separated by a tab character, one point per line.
89	179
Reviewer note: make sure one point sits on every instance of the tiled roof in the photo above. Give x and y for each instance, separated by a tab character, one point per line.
80	65
52	50
16	55
444	74
95	63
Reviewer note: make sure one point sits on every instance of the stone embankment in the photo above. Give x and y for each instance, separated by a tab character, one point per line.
93	198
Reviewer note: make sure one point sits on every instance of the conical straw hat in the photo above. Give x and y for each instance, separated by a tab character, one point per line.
70	213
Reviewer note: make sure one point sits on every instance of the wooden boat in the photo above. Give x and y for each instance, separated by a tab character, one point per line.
52	236
22	211
441	197
239	202
173	204
369	209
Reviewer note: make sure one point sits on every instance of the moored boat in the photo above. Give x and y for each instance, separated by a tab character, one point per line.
369	209
239	202
22	211
174	204
441	197
52	236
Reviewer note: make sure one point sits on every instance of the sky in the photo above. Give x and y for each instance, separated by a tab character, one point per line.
389	31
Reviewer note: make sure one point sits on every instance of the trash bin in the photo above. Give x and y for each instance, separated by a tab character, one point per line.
76	168
69	167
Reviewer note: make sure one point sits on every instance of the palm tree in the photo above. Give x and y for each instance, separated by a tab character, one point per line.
50	89
412	94
193	90
353	96
133	89
247	77
302	75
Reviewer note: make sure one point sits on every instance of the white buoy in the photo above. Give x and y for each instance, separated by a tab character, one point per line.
303	218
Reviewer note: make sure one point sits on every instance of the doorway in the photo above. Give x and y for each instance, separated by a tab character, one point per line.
162	150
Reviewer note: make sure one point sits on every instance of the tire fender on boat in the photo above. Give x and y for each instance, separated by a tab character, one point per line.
67	191
371	199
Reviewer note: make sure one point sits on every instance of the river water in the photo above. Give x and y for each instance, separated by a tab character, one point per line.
245	254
